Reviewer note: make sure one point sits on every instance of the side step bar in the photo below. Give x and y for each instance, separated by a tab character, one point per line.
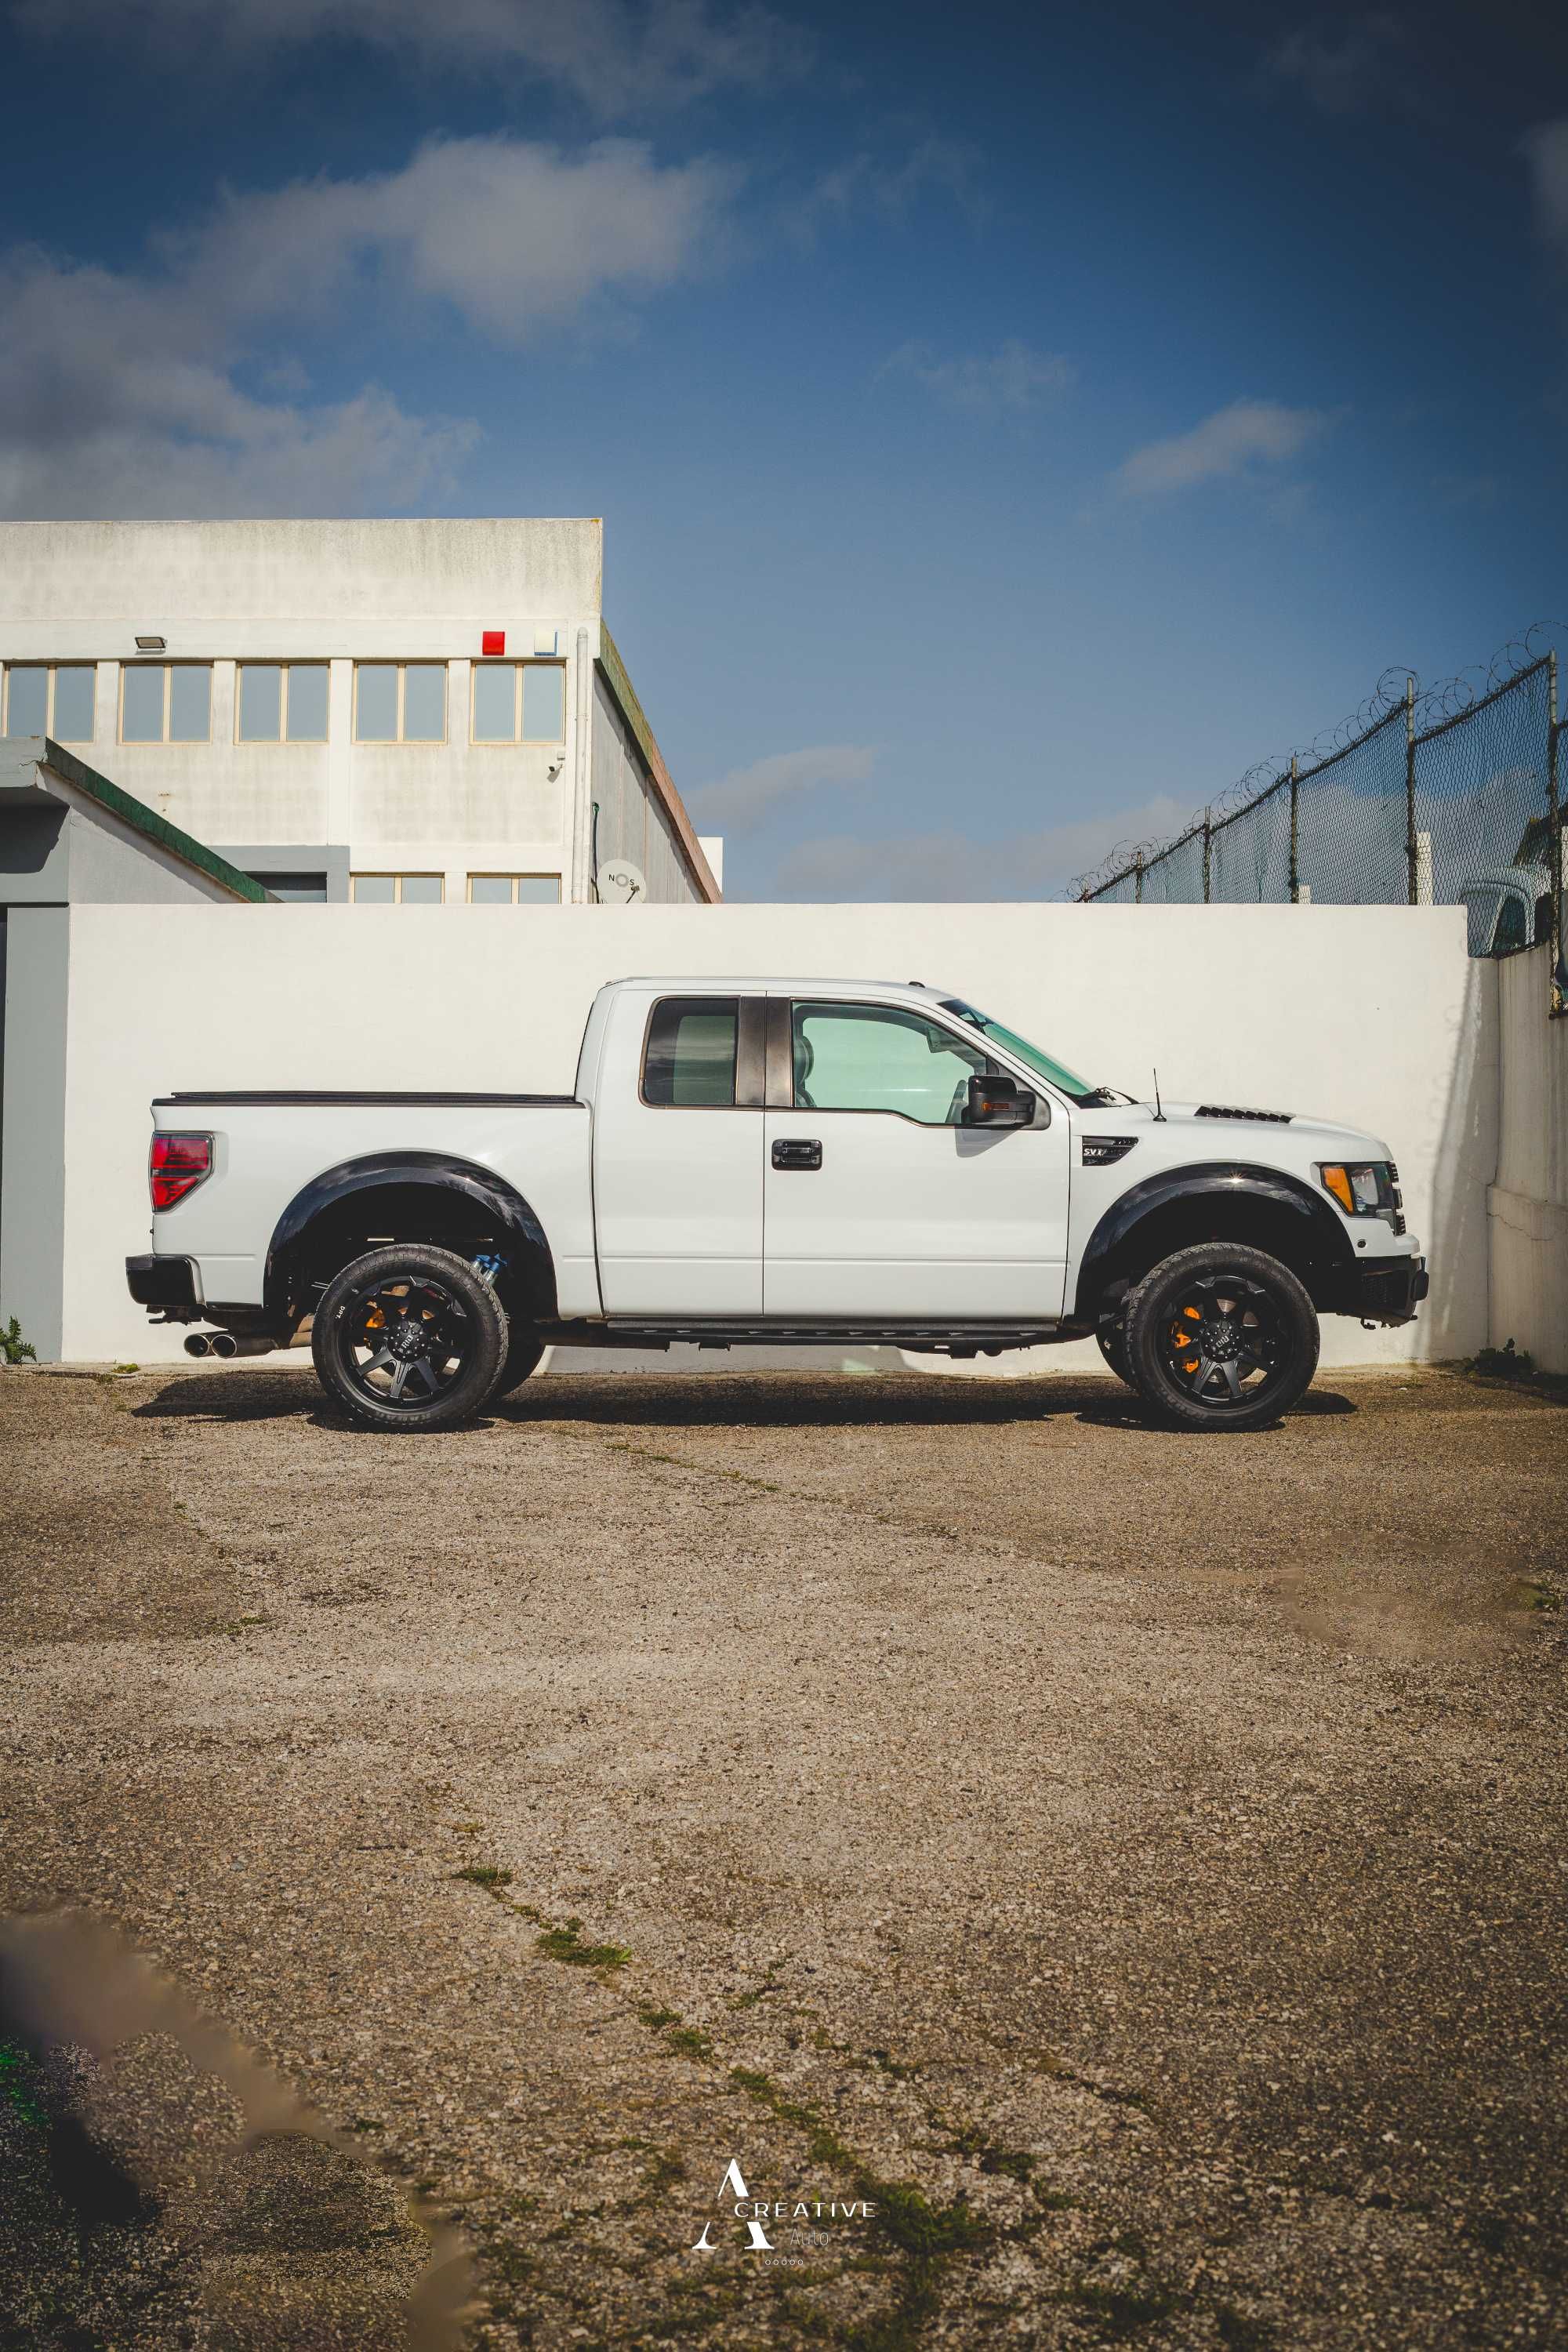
965	1338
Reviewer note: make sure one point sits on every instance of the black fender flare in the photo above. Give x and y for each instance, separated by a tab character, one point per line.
530	1268
1210	1180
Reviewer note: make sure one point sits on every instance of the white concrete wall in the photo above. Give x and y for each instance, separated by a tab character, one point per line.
1371	1015
1528	1205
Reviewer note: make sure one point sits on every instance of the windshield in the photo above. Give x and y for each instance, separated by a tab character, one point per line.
1074	1087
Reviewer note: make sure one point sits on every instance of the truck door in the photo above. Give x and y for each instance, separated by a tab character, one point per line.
678	1157
879	1201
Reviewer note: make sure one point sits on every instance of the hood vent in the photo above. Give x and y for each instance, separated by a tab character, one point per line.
1223	1110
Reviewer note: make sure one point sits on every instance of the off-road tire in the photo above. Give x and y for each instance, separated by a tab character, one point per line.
421	1287
1258	1318
1112	1338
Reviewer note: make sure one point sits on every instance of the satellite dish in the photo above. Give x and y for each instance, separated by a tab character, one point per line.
621	883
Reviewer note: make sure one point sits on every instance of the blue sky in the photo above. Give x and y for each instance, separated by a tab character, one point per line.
1009	424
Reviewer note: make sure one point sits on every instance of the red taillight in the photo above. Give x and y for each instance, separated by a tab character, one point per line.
177	1166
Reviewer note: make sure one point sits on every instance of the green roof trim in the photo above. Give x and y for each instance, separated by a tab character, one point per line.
614	671
146	821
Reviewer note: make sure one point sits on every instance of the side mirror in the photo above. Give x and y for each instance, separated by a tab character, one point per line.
998	1101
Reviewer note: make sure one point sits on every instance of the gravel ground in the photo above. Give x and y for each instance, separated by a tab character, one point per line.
1128	1863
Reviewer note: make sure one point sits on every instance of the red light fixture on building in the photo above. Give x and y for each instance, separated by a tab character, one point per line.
492	641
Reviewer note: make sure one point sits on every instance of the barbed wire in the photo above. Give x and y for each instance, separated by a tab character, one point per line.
1437	705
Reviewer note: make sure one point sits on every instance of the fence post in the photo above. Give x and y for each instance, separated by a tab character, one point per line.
1138	879
1208	851
1555	819
1411	849
1295	811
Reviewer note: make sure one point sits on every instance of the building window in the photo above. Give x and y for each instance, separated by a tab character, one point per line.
514	889
295	889
400	702
397	890
50	699
165	702
282	702
519	702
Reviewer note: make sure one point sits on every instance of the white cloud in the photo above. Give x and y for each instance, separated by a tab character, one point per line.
1234	440
738	803
891	187
952	868
124	392
1015	377
1343	70
618	56
1547	149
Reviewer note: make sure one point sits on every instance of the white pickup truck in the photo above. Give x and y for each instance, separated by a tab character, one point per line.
773	1160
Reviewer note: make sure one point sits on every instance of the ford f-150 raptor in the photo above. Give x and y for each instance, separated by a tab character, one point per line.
773	1160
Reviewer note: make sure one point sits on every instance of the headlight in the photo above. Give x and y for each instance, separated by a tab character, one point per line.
1365	1189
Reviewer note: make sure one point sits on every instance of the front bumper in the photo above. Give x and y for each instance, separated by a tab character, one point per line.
1389	1291
167	1284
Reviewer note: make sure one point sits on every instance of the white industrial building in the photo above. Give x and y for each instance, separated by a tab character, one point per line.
400	712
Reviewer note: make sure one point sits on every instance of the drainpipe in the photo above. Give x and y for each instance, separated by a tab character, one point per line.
580	868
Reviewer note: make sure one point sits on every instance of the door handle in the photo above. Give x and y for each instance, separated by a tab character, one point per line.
795	1151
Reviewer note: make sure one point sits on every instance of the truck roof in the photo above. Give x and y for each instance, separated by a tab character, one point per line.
793	984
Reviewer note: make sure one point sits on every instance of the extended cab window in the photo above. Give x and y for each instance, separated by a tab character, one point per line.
877	1057
689	1063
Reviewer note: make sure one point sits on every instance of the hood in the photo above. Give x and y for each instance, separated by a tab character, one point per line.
1236	1131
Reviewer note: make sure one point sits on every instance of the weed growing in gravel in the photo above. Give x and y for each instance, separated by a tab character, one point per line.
1119	2310
486	1875
691	2040
567	1944
13	1349
1529	1592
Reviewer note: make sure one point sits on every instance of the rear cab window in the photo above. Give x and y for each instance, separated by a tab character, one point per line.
688	1054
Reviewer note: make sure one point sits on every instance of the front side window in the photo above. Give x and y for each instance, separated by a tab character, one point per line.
400	702
397	890
50	699
688	1062
878	1057
519	702
165	702
282	702
514	889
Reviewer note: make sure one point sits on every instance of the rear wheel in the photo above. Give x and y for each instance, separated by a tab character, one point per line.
1220	1337
1112	1338
410	1337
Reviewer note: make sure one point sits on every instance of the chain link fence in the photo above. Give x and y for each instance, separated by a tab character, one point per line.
1444	798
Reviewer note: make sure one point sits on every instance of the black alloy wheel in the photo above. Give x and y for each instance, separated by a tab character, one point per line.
410	1337
1221	1337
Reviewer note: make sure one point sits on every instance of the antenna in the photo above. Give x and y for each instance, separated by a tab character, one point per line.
1158	1112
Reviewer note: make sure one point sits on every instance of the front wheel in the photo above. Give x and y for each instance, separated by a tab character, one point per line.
410	1337
1220	1337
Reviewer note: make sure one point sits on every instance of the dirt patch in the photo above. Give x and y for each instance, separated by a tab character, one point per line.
1126	1863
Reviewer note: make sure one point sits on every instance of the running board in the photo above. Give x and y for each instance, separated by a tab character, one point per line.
967	1337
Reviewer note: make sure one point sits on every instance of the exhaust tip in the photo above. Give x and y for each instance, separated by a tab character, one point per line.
197	1344
223	1343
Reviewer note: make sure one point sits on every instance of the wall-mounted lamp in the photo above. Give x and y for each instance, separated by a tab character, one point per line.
150	644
